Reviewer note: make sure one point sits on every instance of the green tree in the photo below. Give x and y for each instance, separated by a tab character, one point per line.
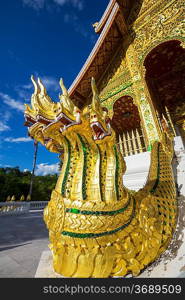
15	182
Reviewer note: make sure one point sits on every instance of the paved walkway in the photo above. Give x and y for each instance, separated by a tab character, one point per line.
23	238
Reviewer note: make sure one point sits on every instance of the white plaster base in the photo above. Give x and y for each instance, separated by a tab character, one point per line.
171	263
137	170
159	269
45	266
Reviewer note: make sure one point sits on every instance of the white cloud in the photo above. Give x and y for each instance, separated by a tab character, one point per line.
26	95
45	169
35	4
5	116
18	140
50	83
61	2
74	20
40	4
70	18
12	103
25	91
27	86
76	3
5	166
3	126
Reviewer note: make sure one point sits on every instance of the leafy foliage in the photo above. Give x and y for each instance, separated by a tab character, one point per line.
15	182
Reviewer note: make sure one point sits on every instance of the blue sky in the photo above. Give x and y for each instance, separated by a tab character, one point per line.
49	39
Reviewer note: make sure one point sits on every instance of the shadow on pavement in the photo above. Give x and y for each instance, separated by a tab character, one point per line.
20	229
12	247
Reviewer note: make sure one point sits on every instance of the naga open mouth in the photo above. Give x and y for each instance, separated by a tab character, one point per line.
99	132
67	122
62	119
29	121
47	141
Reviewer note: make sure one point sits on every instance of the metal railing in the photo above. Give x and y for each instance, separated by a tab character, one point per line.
38	204
17	208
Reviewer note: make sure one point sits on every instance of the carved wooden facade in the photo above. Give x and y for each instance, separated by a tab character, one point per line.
129	32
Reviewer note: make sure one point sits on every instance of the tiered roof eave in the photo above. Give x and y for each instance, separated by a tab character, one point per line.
112	28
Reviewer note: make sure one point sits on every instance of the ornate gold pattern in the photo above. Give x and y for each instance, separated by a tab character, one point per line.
165	22
97	227
157	22
93	220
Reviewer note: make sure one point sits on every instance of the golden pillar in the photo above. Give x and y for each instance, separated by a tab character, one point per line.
142	98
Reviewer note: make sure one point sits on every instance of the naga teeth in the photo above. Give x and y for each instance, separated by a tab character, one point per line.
95	123
64	128
78	118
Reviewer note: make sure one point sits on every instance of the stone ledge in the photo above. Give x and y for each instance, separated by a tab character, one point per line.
161	268
45	266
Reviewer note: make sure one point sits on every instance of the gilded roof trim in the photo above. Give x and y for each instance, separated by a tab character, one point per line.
96	48
105	16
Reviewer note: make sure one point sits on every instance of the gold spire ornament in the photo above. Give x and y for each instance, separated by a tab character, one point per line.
22	198
97	227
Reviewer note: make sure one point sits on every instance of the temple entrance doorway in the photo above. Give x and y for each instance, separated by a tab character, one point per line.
126	123
165	77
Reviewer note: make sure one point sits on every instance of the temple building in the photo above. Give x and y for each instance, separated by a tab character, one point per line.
138	63
132	81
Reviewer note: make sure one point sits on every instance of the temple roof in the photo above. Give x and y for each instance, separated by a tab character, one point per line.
112	29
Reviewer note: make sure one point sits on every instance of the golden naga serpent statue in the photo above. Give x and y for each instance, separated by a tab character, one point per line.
97	227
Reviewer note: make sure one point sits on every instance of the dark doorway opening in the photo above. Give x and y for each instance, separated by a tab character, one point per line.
126	123
165	77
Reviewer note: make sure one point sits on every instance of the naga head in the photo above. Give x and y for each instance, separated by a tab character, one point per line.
99	119
40	115
73	119
71	114
36	131
50	121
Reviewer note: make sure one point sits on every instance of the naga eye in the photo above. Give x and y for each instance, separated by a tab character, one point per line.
94	116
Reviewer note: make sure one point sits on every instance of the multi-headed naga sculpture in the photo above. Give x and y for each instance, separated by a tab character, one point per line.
97	227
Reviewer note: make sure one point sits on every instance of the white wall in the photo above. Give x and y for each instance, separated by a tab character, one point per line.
137	170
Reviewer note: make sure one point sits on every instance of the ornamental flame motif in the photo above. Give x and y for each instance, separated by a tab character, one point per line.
97	227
